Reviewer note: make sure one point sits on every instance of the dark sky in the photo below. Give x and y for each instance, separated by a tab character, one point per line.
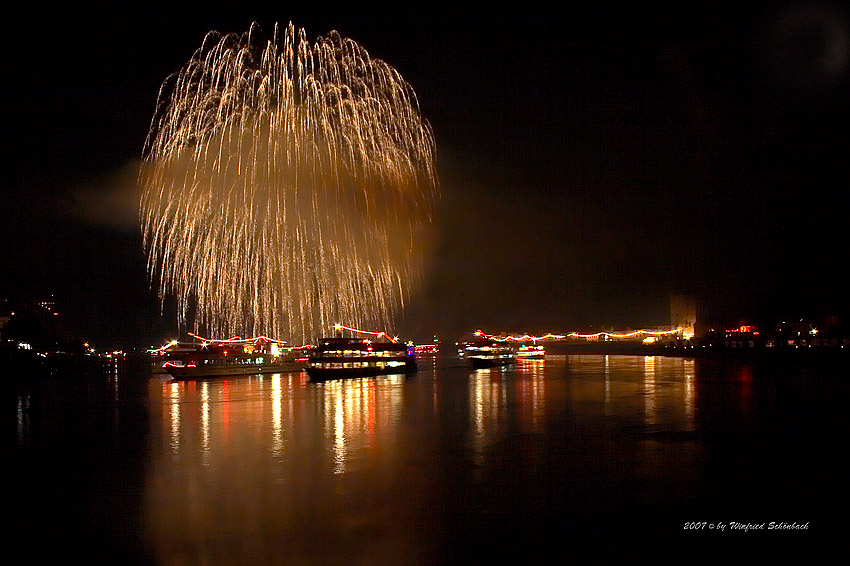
591	160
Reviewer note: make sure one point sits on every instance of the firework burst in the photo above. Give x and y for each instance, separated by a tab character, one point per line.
286	186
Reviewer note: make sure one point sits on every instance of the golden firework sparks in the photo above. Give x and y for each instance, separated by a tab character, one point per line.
285	186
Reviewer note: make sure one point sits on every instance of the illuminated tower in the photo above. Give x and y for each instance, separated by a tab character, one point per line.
683	314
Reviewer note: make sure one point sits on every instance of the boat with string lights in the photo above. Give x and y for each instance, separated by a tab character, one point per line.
235	357
426	350
341	357
487	353
531	352
171	353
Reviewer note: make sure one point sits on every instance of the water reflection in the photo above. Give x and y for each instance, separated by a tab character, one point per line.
487	400
396	469
174	409
429	469
81	443
689	376
505	400
355	414
22	401
531	394
358	416
244	455
660	390
650	411
277	442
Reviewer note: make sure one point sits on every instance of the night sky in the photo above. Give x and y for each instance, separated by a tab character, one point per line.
591	160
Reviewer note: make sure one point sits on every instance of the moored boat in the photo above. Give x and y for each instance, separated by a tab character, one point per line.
234	357
531	352
489	353
171	354
356	357
426	350
221	366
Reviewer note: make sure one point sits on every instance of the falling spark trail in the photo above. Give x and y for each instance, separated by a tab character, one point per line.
286	186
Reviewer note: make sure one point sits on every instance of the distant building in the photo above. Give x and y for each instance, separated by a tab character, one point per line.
683	314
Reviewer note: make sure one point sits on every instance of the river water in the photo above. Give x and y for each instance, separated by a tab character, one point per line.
570	457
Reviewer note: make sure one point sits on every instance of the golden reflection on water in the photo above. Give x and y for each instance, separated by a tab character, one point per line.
277	429
226	444
531	394
205	424
208	416
505	398
659	389
358	414
690	392
236	459
650	409
486	403
174	408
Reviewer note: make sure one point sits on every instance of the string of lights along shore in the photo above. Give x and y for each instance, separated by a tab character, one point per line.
286	185
550	336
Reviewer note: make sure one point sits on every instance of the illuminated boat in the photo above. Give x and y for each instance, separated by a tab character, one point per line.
531	352
221	366
356	357
171	354
489	353
426	350
234	357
